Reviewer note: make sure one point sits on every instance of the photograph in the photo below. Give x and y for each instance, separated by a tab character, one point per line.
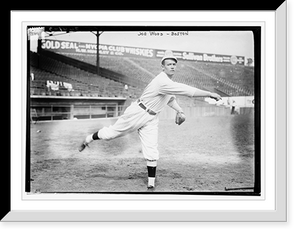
143	110
148	116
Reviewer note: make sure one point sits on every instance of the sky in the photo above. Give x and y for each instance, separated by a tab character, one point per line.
238	43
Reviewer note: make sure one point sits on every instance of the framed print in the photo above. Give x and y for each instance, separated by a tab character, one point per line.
139	116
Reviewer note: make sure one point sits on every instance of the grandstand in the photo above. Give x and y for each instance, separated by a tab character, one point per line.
228	80
83	83
121	80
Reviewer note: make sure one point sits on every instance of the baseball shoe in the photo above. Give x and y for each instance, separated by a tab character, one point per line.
150	187
82	146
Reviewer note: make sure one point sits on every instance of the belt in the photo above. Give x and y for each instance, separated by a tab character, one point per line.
145	108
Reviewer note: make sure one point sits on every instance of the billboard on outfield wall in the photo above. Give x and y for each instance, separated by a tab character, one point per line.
59	46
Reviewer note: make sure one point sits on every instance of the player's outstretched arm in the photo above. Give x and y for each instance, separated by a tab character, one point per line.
215	96
175	88
202	93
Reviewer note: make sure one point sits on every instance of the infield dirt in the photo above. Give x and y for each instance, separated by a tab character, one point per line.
202	155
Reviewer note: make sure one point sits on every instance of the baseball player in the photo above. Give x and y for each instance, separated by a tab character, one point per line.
142	115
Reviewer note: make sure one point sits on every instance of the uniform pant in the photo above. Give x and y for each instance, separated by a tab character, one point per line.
136	119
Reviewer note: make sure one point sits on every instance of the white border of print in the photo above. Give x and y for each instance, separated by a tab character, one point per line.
270	206
114	197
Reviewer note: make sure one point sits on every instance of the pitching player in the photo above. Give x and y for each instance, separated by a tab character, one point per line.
142	115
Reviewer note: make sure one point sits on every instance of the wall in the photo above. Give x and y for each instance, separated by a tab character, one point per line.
194	112
59	108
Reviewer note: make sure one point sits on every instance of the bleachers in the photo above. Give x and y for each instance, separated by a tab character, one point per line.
120	65
231	80
83	83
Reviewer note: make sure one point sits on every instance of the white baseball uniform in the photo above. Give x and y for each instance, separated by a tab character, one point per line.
160	92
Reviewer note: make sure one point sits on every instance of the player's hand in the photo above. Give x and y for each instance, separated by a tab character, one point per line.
215	96
180	118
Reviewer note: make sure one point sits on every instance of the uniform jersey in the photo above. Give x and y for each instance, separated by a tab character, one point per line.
161	90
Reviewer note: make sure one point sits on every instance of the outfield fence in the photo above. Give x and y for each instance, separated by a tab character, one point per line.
73	111
197	111
90	111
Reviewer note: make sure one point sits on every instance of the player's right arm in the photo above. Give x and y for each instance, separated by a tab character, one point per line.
175	88
202	93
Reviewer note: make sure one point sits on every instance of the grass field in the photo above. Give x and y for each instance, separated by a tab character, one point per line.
202	155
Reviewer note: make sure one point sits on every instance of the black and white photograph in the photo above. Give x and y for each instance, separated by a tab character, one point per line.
149	116
143	110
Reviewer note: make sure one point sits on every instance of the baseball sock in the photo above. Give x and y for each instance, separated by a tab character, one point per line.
151	166
151	175
95	136
92	137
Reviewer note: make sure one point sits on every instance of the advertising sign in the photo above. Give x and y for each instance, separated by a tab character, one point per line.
126	51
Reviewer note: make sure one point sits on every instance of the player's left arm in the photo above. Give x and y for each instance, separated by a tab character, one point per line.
180	117
174	105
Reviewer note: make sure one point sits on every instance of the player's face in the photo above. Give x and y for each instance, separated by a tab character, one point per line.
169	67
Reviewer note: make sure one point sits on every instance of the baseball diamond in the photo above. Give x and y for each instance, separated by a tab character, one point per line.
205	154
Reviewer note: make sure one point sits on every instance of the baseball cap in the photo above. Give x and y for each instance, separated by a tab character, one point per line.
168	55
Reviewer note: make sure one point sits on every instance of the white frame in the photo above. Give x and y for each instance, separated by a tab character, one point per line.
270	206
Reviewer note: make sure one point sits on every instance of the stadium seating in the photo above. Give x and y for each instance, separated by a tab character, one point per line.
235	80
226	79
45	69
230	80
